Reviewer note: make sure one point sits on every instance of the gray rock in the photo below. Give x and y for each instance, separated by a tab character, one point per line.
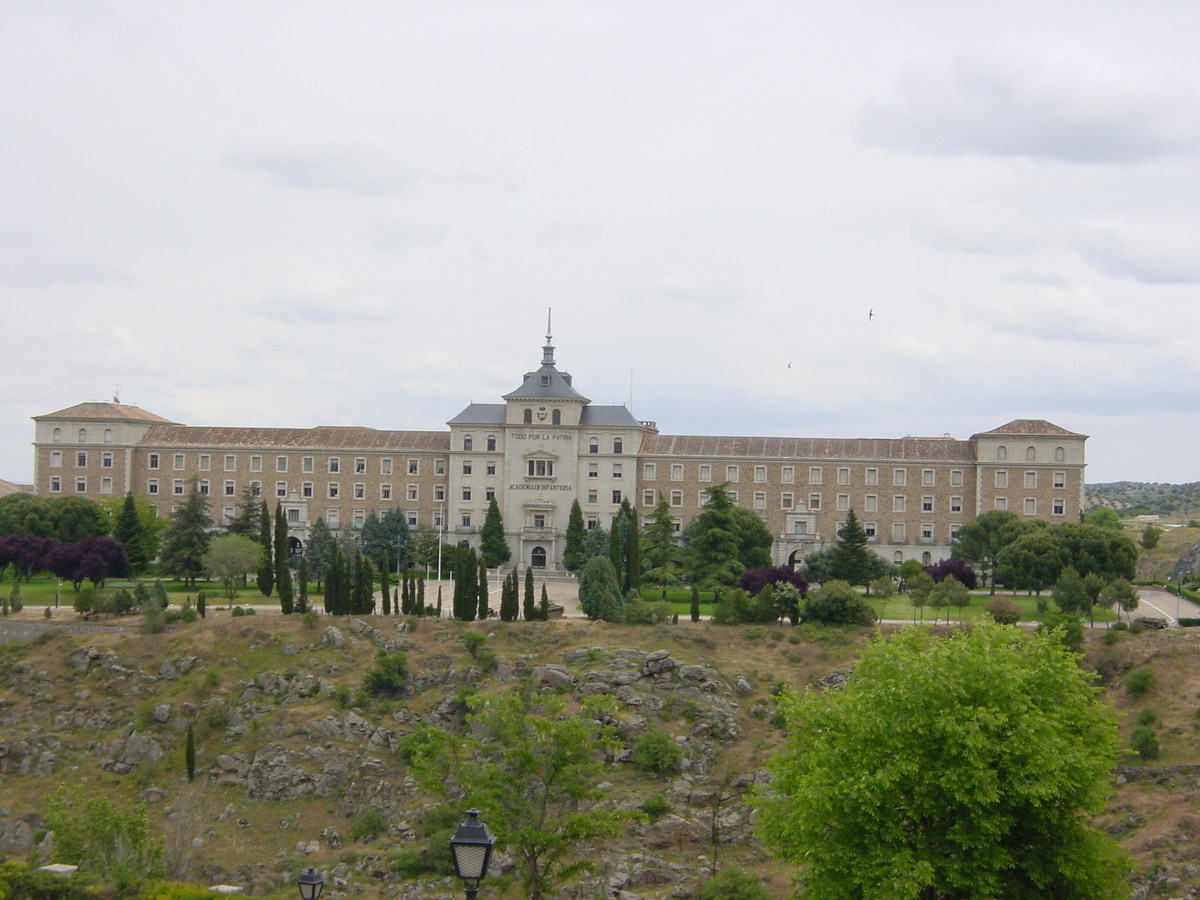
161	712
552	675
658	662
81	659
694	673
333	637
742	685
167	671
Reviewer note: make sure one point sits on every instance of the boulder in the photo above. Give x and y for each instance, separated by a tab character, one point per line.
333	637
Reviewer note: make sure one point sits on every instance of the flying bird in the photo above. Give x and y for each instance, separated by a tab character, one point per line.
871	314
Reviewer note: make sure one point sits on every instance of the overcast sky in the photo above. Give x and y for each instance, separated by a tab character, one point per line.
319	213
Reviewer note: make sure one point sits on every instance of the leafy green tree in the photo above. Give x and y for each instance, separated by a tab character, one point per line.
983	539
576	535
186	538
318	550
660	551
950	592
714	542
920	588
837	603
850	560
266	565
106	838
423	547
228	558
1150	536
493	545
1093	548
599	593
76	518
25	514
1032	562
132	535
533	769
386	536
1069	593
1119	593
1103	517
1024	748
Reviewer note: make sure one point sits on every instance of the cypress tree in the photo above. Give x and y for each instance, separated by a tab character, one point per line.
132	535
616	545
484	611
493	546
695	603
189	754
266	568
202	605
529	607
439	612
385	588
633	553
467	584
508	608
302	592
333	577
283	572
419	598
576	535
544	609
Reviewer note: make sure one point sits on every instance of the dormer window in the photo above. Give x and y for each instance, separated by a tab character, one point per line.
545	381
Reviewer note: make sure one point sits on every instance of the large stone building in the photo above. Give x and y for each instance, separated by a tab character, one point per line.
547	445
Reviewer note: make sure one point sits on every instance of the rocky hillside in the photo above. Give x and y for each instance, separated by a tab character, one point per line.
290	756
1180	500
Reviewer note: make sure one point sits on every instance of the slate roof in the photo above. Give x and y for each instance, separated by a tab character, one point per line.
1032	427
101	410
481	414
557	388
607	417
907	449
323	437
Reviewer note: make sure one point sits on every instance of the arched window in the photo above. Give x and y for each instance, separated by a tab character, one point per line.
1001	452
464	545
528	416
897	557
468	443
556	417
926	558
491	443
1030	454
82	435
617	445
108	435
537	559
594	445
1060	455
57	435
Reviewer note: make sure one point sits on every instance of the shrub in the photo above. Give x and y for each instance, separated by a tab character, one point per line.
655	807
1139	682
310	619
837	603
1189	623
656	751
1003	610
1110	637
388	677
368	825
1147	717
473	640
1144	742
733	884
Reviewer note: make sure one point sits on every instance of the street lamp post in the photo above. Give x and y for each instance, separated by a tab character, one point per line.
472	849
311	884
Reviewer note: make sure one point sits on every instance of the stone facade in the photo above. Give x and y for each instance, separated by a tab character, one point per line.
546	446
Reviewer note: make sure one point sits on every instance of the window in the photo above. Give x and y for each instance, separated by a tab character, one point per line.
927	532
616	470
414	467
230	489
706	473
281	463
956	504
760	499
255	463
106	460
787	500
360	491
731	473
307	464
592	497
152	486
439	492
900	476
491	443
1059	507
466	467
956	478
789	475
385	492
108	435
540	468
57	436
56	459
306	490
412	519
843	475
1001	452
332	490
412	492
593	445
385	466
81	486
843	502
648	497
649	472
593	470
360	516
897	557
1060	455
702	500
899	503
556	417
468	443
439	467
618	446
677	472
230	462
616	496
466	493
360	465
331	518
592	523
152	461
760	474
870	529
56	485
528	417
539	520
83	435
1001	478
1031	479
177	487
293	515
814	475
1060	480
927	477
1001	503
733	497
281	489
81	459
800	527
871	503
437	519
1030	454
334	465
490	469
203	487
677	498
489	494
926	504
898	532
256	489
1030	506
814	501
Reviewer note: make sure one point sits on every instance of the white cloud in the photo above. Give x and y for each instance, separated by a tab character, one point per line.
322	297
1146	253
1031	100
1074	316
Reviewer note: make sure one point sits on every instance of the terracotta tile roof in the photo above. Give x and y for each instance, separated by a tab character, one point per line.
891	449
324	437
1032	427
102	410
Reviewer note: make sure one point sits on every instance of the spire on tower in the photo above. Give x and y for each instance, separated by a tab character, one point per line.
548	350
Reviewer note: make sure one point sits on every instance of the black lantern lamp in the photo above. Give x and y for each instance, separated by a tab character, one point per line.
472	848
311	884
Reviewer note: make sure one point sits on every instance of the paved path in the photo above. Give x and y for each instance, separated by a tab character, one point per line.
1155	602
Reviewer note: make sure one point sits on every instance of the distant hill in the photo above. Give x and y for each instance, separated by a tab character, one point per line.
1160	499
